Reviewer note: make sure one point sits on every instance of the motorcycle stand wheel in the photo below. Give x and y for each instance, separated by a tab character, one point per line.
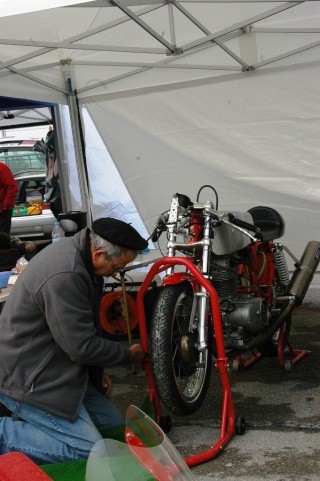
240	426
288	365
235	365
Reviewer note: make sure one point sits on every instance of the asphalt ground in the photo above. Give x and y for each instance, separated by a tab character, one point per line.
281	410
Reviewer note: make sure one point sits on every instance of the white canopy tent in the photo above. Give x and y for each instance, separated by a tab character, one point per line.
183	93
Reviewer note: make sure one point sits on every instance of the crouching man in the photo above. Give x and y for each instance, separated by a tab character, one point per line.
52	354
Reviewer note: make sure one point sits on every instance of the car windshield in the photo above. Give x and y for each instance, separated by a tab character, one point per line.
22	160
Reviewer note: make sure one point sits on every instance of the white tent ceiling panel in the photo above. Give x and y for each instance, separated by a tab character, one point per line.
23	87
264	46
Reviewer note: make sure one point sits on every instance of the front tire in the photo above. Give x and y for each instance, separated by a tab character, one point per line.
181	372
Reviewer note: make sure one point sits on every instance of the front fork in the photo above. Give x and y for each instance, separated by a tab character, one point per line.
201	297
203	302
200	307
203	294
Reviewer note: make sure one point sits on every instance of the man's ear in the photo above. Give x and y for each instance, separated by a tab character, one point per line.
97	254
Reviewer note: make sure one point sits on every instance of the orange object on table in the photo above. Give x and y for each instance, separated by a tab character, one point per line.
34	209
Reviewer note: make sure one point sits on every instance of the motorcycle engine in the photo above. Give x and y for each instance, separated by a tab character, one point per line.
243	314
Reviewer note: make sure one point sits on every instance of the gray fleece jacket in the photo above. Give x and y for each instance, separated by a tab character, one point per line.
48	335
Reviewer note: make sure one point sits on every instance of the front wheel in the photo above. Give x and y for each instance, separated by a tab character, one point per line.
181	372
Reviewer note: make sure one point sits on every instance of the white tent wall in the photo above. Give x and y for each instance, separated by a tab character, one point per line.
68	168
108	193
105	193
255	139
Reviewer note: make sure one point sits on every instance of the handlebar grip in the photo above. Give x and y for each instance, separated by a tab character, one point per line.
159	228
244	224
156	234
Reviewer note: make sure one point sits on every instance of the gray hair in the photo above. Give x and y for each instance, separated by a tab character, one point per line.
112	251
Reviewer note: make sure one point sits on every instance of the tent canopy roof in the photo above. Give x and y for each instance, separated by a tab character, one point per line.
117	48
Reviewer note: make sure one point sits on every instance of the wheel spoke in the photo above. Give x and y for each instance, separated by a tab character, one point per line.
183	382
188	385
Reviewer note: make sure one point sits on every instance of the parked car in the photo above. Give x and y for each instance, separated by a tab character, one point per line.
32	190
28	166
23	156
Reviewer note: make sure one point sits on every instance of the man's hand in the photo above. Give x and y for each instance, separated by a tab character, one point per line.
30	247
136	353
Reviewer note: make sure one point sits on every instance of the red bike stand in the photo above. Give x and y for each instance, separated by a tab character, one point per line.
295	355
228	419
287	355
241	363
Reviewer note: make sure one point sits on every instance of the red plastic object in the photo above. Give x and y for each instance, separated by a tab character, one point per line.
227	426
113	316
241	363
17	466
287	355
155	466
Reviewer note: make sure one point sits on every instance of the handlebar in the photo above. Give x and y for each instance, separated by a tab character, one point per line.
244	224
241	225
223	217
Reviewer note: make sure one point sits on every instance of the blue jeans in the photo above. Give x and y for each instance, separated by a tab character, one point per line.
47	438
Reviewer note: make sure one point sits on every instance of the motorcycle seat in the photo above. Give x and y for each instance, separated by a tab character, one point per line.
269	221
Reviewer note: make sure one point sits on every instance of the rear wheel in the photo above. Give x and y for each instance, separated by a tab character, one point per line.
181	372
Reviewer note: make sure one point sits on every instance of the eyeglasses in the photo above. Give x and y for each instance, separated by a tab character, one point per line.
115	267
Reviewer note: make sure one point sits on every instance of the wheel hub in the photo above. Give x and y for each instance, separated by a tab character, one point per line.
188	353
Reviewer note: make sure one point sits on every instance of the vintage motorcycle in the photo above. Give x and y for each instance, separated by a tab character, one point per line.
237	253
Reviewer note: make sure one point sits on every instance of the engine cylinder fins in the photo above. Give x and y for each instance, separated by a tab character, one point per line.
224	277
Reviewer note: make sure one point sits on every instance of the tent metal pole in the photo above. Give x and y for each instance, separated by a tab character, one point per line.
79	153
69	80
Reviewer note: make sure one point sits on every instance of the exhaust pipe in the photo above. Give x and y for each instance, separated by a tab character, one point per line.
297	289
304	272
